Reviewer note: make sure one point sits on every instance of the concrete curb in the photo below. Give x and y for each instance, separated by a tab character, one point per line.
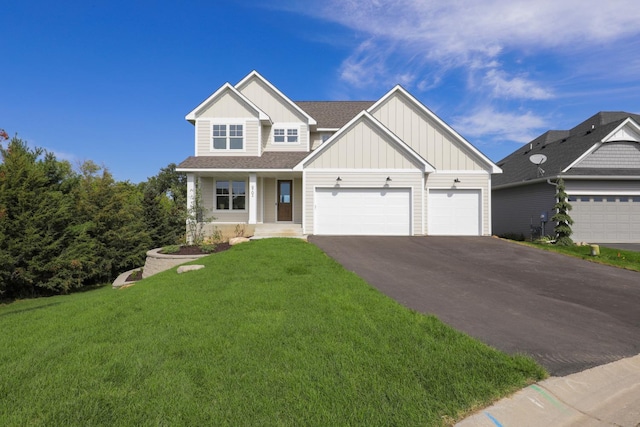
121	280
607	395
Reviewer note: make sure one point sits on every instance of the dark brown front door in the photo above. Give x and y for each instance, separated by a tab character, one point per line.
285	195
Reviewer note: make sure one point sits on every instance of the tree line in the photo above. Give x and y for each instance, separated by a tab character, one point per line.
62	229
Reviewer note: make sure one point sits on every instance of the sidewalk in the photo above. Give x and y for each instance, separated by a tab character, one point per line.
607	395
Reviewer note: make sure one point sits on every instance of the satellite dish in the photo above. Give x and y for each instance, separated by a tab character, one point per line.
538	159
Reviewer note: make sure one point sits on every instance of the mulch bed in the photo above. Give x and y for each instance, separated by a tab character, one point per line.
184	250
195	250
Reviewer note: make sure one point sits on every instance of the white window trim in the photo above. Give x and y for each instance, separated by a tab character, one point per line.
286	127
230	210
228	122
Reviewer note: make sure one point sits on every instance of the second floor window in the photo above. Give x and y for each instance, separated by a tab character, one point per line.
228	137
283	135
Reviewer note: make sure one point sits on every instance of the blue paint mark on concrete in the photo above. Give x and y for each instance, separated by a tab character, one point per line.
492	418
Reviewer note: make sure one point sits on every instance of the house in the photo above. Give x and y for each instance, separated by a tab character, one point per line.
599	161
389	167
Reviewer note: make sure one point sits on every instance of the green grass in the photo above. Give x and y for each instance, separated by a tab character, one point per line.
271	332
609	256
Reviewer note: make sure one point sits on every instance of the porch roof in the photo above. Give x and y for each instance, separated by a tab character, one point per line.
268	160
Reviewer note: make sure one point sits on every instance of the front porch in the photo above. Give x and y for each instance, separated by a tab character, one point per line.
251	198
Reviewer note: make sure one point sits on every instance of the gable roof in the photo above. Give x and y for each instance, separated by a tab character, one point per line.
255	75
564	150
365	115
431	115
191	117
332	115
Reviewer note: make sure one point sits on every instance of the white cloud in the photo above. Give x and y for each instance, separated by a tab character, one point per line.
486	121
517	87
429	34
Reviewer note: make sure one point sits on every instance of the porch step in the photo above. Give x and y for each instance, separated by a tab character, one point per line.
263	231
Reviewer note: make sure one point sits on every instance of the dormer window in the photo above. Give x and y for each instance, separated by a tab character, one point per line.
285	135
227	137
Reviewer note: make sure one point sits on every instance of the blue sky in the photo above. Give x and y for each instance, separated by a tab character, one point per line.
111	81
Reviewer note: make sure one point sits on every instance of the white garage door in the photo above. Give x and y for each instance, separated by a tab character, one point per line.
363	211
454	212
606	219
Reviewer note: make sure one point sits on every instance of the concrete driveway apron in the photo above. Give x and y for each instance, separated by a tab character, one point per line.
567	313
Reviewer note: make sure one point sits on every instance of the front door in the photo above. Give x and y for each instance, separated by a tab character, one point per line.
285	212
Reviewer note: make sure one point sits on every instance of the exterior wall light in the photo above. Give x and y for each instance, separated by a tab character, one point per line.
338	179
456	180
388	178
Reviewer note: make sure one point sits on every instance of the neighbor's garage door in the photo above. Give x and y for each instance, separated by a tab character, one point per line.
454	212
606	219
363	211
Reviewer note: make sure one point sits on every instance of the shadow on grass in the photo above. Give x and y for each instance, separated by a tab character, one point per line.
24	310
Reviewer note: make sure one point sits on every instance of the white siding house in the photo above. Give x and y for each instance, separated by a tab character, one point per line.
389	167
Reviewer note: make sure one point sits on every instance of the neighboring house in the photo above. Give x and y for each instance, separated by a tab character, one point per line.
390	167
599	160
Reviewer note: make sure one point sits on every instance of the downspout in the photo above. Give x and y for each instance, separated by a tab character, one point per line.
556	186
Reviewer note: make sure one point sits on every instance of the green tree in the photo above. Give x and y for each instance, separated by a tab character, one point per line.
164	204
111	227
35	212
563	220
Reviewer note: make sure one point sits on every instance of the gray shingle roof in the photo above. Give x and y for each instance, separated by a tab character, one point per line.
268	160
561	148
333	114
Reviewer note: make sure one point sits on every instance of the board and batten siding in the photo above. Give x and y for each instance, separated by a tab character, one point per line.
353	178
208	191
472	181
251	138
515	209
362	147
278	109
425	136
227	106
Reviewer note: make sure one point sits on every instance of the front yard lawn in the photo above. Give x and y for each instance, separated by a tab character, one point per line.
271	332
629	260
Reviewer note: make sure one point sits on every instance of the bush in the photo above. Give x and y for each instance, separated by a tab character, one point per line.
171	249
207	248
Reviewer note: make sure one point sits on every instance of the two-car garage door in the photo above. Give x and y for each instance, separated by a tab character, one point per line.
387	211
363	211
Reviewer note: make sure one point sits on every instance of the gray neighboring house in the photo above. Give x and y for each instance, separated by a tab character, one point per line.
599	160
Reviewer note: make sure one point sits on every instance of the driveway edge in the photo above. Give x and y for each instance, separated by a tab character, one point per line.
605	395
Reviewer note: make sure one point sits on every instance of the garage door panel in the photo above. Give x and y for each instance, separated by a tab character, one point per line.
363	211
454	212
609	219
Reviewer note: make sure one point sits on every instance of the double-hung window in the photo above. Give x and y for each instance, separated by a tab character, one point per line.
230	195
285	135
228	137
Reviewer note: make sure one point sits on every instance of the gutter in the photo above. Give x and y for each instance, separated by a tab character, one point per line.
570	177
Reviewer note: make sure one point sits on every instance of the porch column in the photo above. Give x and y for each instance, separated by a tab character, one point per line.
191	191
253	198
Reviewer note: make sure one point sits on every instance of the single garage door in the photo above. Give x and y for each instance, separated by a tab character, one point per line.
454	212
606	219
363	211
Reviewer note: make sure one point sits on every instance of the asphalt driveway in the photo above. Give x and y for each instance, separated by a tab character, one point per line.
567	313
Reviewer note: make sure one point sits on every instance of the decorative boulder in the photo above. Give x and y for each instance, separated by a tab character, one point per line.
185	268
237	240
